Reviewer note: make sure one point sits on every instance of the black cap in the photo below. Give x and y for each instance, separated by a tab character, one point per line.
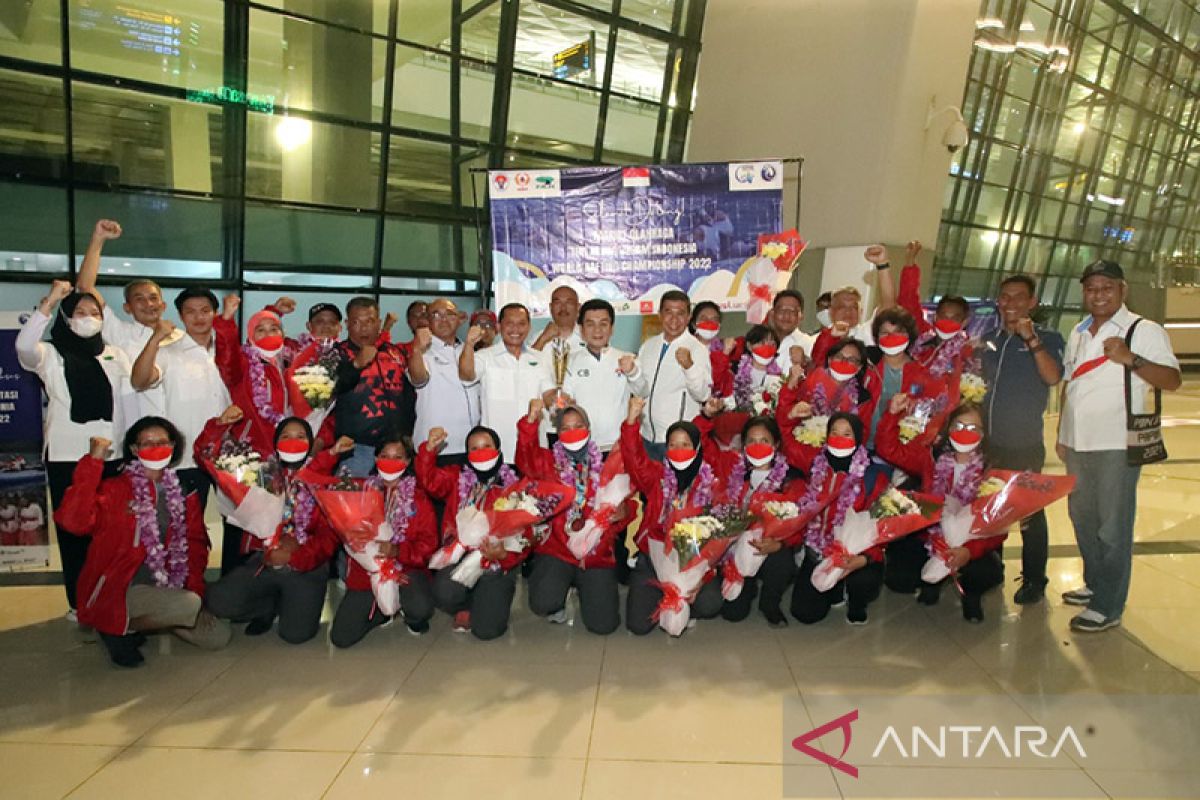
196	291
319	307
1109	269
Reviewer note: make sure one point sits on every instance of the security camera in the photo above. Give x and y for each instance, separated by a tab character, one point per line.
956	136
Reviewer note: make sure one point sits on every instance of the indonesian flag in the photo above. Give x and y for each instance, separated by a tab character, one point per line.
635	176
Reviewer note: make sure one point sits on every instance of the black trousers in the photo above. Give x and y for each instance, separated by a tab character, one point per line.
599	600
860	588
296	598
196	479
643	598
979	574
489	601
357	614
775	575
1035	533
72	548
903	561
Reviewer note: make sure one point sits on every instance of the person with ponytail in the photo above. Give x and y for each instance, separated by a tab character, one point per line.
483	610
683	479
953	467
844	479
836	385
89	395
759	467
284	578
145	568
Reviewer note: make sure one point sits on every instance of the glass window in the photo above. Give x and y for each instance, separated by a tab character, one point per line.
544	115
630	130
418	172
640	65
32	29
658	13
561	44
296	159
481	33
33	126
427	22
181	45
413	246
365	15
421	92
286	280
33	228
309	238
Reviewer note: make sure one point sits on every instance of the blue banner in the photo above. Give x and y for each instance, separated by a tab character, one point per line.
628	234
24	516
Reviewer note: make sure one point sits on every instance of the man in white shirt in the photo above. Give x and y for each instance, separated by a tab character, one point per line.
1092	437
845	307
678	375
508	375
787	311
564	319
185	372
442	399
601	378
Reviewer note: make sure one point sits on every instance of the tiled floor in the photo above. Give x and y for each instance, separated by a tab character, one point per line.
551	711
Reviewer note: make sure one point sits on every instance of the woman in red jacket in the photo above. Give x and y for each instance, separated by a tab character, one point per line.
483	610
574	460
837	385
409	513
705	325
843	478
760	467
956	471
287	578
253	372
145	566
684	479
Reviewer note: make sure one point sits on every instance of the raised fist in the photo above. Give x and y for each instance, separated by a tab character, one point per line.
422	338
474	334
344	444
536	406
99	447
285	305
636	406
877	254
627	364
684	357
163	328
59	290
230	415
437	439
230	306
801	410
713	406
106	229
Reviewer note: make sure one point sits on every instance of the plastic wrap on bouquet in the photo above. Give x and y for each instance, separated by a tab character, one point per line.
682	562
251	508
760	280
777	517
955	532
614	489
311	379
385	574
783	248
894	515
357	515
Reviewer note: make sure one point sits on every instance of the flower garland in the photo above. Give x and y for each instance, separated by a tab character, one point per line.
818	535
964	490
298	507
822	406
743	390
401	505
260	389
772	483
698	494
468	483
585	486
945	355
168	564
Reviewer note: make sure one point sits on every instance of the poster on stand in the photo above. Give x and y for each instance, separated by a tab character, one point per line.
24	516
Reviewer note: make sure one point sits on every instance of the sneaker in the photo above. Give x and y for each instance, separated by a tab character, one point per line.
462	622
972	608
929	594
558	617
775	618
856	616
123	650
71	616
417	628
1031	591
1077	597
1089	621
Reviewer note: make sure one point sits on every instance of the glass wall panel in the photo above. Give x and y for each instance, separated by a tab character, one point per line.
33	126
32	30
295	159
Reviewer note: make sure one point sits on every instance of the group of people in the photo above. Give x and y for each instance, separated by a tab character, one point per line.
141	414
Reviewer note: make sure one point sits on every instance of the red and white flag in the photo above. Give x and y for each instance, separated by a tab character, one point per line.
635	176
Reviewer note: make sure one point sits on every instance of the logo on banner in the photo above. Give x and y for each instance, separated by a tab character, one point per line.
525	183
646	307
522	180
500	181
635	176
755	176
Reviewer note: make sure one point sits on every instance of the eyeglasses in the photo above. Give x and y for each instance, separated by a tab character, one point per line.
442	316
966	426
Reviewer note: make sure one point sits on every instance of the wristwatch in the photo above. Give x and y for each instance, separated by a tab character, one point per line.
1137	363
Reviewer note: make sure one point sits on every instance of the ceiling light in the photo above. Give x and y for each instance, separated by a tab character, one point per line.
293	132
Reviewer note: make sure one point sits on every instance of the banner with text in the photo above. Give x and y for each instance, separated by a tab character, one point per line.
24	520
628	234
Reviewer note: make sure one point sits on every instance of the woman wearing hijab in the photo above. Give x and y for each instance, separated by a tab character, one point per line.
253	372
89	393
682	480
145	569
287	578
484	609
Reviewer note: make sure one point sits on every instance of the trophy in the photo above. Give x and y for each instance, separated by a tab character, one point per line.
560	355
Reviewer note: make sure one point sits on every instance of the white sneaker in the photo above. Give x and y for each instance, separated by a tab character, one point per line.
71	616
558	617
1078	597
1089	621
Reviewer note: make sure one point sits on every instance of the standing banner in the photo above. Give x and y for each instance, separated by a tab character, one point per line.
24	520
628	234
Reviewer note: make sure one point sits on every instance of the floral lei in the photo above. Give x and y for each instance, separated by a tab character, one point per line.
772	483
964	490
822	406
699	493
585	486
945	354
401	504
817	534
260	389
468	482
169	564
743	391
298	507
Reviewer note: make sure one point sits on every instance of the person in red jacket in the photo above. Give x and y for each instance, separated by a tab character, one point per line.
285	578
145	567
574	460
485	609
955	467
253	372
942	347
843	478
683	479
761	466
409	513
705	325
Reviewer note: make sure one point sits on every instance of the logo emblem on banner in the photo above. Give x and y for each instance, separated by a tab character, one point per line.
509	184
500	181
753	176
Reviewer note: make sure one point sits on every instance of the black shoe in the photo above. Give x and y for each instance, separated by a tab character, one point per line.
856	616
929	594
123	650
257	627
418	628
972	605
1031	591
775	618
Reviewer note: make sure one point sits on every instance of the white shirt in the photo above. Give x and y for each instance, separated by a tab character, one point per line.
602	390
443	401
130	336
192	388
1093	417
506	385
672	394
67	440
796	338
575	344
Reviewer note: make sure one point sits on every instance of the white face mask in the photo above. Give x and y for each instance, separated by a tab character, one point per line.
825	318
896	349
575	447
268	353
841	452
291	458
388	476
963	448
159	464
682	465
706	336
485	466
85	327
944	336
761	461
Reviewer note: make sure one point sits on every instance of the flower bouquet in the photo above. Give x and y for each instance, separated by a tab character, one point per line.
921	418
695	544
776	516
607	506
812	431
972	388
893	515
521	505
1004	498
244	495
311	379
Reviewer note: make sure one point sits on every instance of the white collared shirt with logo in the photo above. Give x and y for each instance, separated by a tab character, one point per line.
192	389
130	337
672	393
602	390
443	401
506	385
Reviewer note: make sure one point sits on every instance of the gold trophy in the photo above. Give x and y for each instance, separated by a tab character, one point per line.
560	355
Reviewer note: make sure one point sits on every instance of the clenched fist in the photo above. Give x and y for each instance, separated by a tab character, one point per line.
877	254
422	338
286	305
230	415
106	229
684	357
344	444
636	406
436	440
99	447
627	364
230	306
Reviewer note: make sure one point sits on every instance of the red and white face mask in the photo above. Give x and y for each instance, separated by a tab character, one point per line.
893	344
681	457
840	446
947	328
574	439
292	451
965	440
484	459
764	354
708	329
269	346
157	457
759	454
390	468
842	370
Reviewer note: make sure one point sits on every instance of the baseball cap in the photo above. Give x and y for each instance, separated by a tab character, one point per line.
319	307
483	314
1109	269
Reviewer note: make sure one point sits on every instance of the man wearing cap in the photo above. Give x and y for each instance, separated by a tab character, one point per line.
1102	353
485	320
324	322
187	375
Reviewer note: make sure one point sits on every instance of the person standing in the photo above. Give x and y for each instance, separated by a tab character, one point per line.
442	399
845	307
600	378
787	312
1021	361
1112	348
564	320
